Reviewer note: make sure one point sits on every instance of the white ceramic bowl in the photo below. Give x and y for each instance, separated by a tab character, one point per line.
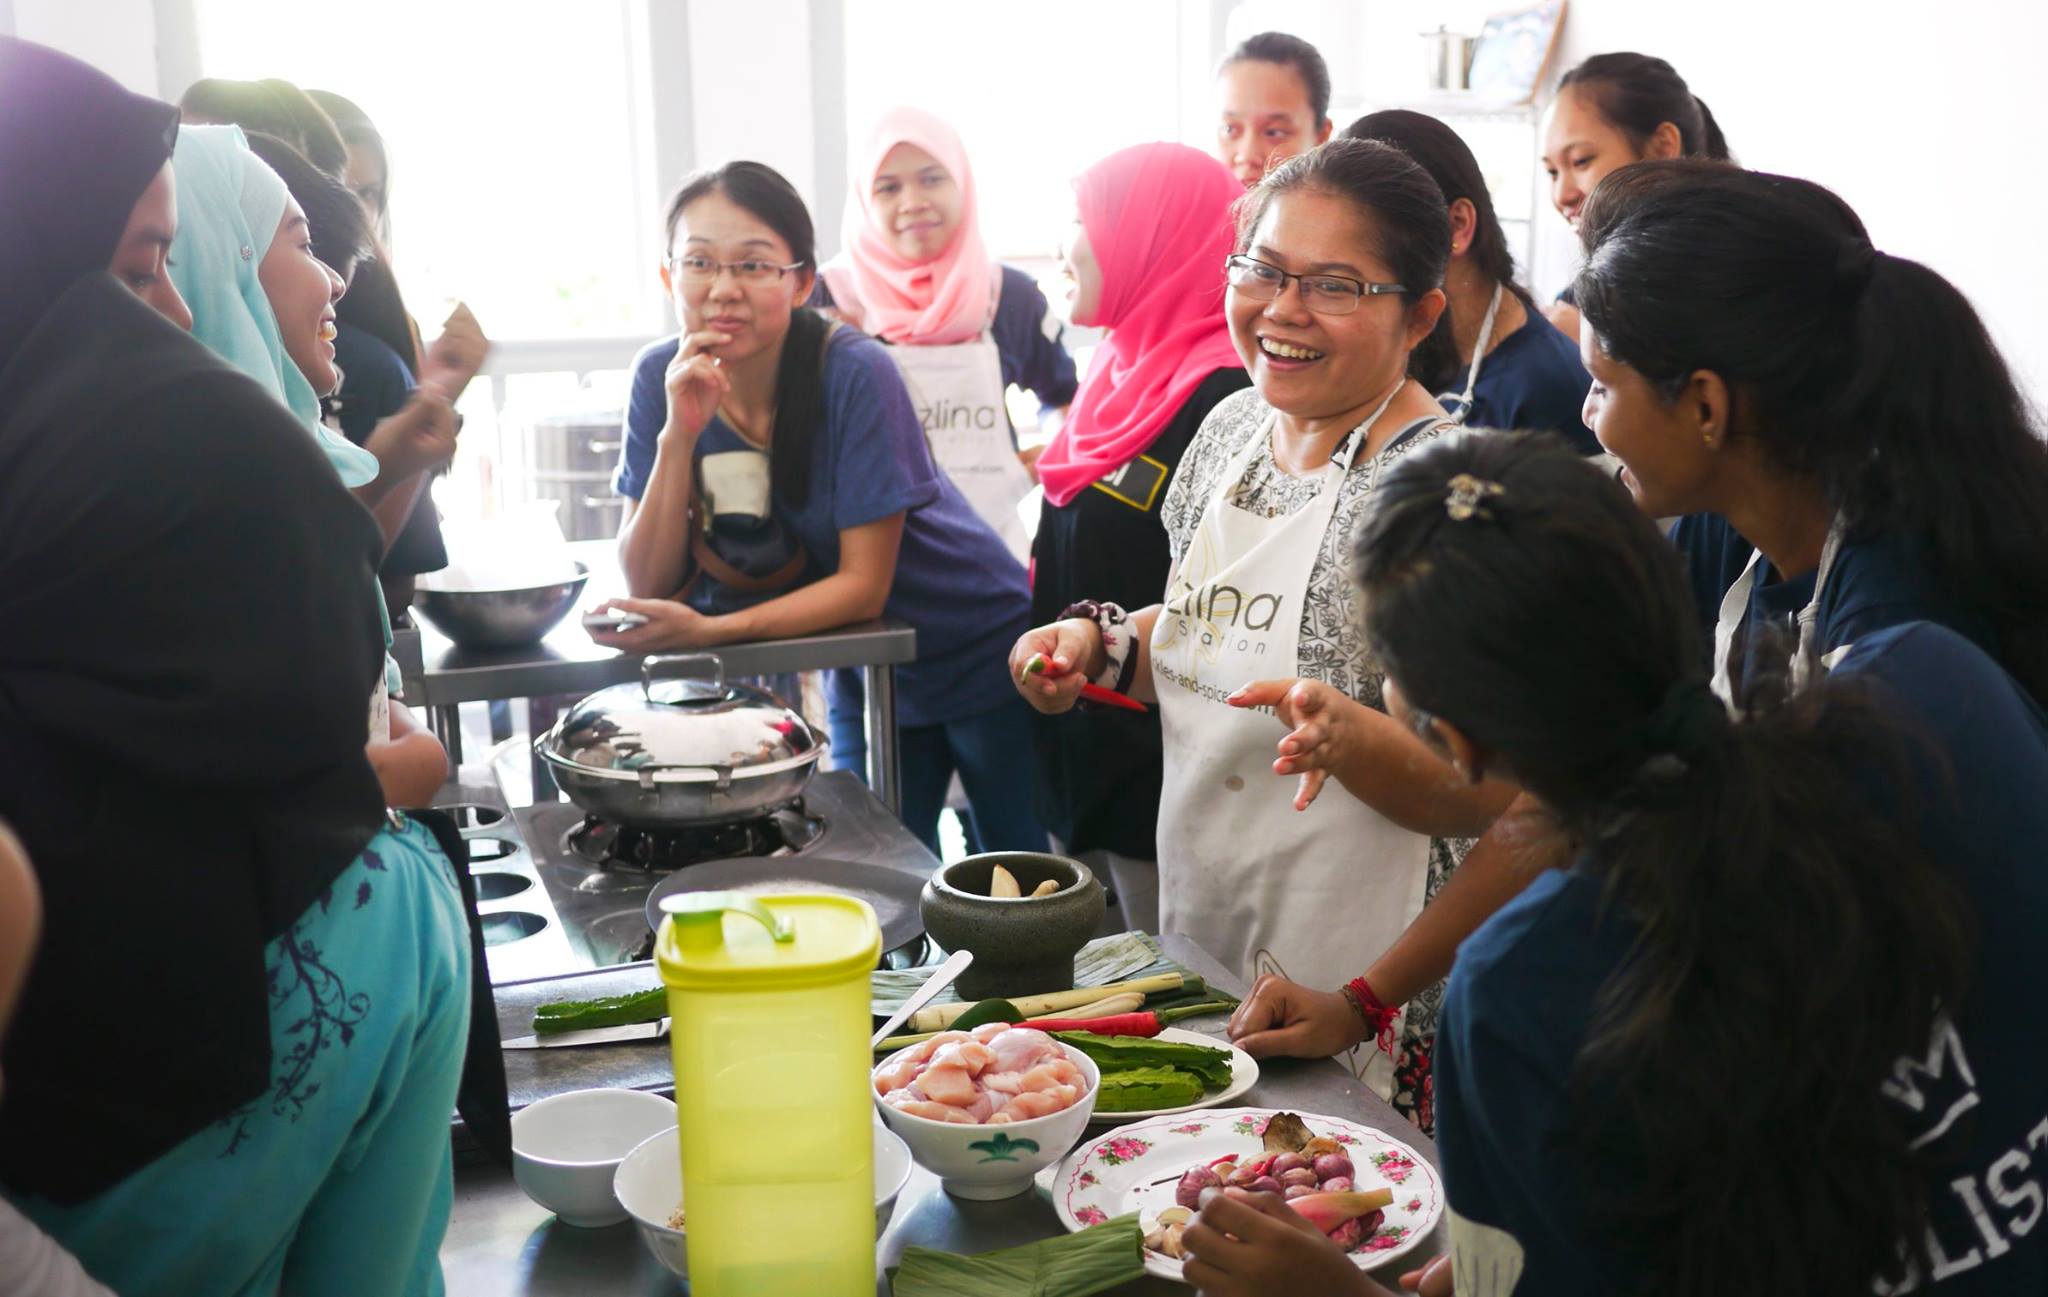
649	1185
990	1162
566	1148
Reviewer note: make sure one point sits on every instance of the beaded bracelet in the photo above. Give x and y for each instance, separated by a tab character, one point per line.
1117	641
1378	1018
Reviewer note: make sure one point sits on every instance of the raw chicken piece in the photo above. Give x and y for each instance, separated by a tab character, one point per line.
1047	1075
905	1069
947	1083
1002	1082
970	1056
990	1030
904	1101
1036	1103
1020	1048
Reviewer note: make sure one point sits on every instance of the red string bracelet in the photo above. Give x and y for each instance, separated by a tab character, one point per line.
1379	1019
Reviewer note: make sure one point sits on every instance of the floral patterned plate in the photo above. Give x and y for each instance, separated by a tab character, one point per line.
1137	1167
1244	1074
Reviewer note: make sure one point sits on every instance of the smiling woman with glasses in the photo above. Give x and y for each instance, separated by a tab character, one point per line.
1335	283
778	483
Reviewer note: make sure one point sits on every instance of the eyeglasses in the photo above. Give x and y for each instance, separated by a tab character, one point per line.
702	270
1323	294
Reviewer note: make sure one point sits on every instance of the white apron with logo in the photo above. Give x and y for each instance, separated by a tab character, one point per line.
958	392
1314	895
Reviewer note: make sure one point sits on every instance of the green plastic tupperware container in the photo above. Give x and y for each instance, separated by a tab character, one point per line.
769	1000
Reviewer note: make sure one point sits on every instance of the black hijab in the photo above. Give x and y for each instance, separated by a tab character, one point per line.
188	640
76	151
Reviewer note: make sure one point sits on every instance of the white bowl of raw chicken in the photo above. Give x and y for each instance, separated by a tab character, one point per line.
972	1124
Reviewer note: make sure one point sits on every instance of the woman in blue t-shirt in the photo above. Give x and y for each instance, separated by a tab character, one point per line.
1515	370
1777	1028
777	483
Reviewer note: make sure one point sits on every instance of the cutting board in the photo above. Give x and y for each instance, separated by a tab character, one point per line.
533	1074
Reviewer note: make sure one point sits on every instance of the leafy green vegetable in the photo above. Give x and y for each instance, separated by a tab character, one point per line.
1144	1088
1130	1053
1090	1261
611	1011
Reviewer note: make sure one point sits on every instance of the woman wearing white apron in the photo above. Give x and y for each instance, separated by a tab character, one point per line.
1337	278
962	327
1807	369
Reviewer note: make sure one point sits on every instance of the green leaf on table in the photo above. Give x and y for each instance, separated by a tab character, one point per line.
1090	1261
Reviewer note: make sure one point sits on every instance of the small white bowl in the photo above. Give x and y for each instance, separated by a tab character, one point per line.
566	1148
991	1162
649	1185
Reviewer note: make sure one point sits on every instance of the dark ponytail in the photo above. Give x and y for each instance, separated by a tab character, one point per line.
1406	212
1869	373
1790	942
799	376
1637	93
1443	153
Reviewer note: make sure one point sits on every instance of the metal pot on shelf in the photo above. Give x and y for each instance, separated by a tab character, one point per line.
683	747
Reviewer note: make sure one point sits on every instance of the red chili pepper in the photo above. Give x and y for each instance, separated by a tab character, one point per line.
1144	1023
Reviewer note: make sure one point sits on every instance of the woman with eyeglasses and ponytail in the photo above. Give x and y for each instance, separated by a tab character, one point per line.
1335	295
1775	1026
778	483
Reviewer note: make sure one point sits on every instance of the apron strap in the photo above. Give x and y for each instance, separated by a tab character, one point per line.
1735	610
1478	355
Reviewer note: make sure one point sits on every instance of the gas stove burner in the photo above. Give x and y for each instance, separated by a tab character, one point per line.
633	849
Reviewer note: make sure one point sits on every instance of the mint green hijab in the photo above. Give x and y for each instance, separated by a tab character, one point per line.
229	204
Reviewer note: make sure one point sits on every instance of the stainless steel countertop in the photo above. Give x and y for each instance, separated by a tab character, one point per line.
501	1243
568	661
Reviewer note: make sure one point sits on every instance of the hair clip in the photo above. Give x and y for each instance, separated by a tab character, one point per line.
1465	496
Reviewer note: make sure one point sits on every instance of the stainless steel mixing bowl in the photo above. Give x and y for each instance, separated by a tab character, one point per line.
484	619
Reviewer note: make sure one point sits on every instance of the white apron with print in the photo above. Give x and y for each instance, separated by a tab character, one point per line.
958	392
1314	895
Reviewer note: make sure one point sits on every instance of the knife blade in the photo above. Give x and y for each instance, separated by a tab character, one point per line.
632	1031
941	978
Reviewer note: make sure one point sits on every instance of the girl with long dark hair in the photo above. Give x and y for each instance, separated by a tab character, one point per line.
1272	102
1777	1028
1515	370
777	483
1612	111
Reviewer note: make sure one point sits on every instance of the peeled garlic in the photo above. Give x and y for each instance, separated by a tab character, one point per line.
1175	1216
1046	888
1001	883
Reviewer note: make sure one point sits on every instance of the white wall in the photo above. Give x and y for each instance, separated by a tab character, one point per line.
116	36
1931	119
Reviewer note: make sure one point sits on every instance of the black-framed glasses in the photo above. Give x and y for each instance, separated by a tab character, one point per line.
1323	294
694	269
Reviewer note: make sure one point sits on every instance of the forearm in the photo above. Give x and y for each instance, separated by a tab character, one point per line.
837	600
412	765
1522	843
654	542
1396	774
396	507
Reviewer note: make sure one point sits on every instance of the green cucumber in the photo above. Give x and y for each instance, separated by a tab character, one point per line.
611	1011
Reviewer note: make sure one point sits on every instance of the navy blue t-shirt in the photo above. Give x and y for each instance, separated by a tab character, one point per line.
1525	985
1030	347
955	582
375	384
1884	581
1532	382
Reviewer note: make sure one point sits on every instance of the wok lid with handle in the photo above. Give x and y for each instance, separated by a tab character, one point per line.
682	723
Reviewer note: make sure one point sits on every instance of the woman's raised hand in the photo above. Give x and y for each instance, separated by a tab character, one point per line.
1283	1019
1324	729
695	384
1049	664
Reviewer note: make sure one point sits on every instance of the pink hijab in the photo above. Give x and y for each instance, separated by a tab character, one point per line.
1158	219
920	304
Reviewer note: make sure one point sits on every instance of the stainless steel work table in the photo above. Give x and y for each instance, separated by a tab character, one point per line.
440	676
500	1243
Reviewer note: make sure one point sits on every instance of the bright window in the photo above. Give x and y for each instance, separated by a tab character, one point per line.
1037	93
511	129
